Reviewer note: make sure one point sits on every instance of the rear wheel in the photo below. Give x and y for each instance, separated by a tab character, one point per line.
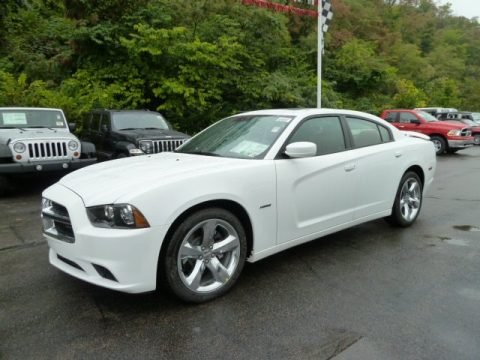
205	255
408	201
439	143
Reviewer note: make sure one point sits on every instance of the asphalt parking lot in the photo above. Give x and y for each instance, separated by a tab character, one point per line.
370	292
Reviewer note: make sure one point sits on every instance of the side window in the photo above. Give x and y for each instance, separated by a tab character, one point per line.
407	118
95	122
391	117
364	132
384	133
325	132
105	123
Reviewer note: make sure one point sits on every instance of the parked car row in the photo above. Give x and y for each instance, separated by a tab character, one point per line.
39	140
448	130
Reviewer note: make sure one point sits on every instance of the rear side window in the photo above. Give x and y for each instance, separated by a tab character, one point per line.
364	132
384	133
95	122
391	117
325	132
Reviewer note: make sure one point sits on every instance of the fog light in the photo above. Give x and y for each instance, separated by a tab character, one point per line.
65	166
76	154
39	167
18	157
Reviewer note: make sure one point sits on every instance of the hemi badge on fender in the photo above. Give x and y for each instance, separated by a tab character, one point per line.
430	168
265	206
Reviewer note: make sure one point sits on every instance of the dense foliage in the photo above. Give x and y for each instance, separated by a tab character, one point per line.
196	61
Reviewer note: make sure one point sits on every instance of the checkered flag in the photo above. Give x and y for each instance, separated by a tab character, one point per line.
327	14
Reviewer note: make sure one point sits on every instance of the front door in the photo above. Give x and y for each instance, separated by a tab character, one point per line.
316	193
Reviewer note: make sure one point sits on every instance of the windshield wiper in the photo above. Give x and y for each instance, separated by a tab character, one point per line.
130	129
12	127
206	153
153	128
41	127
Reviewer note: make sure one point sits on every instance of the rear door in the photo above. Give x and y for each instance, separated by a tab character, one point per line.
377	170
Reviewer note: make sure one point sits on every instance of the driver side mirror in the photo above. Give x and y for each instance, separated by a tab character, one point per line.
72	126
301	149
104	128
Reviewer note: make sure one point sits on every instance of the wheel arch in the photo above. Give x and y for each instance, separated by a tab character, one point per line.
417	169
234	207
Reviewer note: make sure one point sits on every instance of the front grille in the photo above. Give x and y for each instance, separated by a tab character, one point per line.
47	150
466	132
166	145
56	222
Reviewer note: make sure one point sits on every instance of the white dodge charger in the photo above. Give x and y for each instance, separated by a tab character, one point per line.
247	187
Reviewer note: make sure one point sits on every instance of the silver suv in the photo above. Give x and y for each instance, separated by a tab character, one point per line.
34	140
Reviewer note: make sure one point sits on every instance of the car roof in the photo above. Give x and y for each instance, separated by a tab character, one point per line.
303	112
115	110
29	108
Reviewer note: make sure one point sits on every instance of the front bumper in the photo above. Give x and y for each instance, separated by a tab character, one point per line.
130	255
45	166
461	143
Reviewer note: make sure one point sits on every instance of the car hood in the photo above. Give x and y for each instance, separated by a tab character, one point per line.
138	134
8	135
448	125
106	182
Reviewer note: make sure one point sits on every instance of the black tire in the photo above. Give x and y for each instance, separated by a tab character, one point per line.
121	156
175	272
398	218
452	151
476	139
440	144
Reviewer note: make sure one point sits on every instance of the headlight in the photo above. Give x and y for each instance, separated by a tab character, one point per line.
123	216
146	146
19	147
72	145
455	132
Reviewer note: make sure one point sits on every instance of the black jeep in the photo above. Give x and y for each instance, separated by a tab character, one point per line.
122	133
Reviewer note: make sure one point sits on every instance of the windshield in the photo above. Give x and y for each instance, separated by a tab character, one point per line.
426	116
138	120
245	137
22	119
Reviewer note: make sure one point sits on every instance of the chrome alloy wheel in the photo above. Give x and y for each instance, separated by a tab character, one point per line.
437	144
410	199
208	256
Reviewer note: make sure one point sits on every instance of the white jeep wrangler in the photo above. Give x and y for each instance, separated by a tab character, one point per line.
38	140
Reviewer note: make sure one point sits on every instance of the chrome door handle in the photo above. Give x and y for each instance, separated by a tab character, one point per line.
398	154
349	167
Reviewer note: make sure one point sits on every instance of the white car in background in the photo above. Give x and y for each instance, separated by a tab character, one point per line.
247	187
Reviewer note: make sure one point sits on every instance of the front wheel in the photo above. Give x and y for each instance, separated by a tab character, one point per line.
408	201
476	139
440	144
205	255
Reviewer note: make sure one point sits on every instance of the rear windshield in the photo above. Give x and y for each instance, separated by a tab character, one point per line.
10	119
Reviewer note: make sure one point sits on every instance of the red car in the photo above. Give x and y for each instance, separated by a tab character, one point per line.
447	137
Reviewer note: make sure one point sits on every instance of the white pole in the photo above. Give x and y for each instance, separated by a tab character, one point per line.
319	55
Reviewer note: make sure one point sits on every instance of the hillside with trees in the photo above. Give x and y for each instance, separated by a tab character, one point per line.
198	61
